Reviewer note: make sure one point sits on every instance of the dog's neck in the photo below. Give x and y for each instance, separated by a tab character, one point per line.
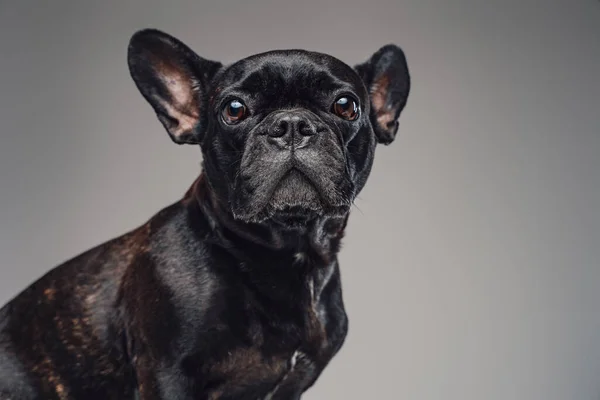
320	237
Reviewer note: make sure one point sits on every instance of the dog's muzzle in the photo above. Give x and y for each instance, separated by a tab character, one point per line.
293	162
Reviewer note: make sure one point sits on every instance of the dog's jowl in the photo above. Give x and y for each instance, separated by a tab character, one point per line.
234	291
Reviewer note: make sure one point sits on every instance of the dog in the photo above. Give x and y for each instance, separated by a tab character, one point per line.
234	291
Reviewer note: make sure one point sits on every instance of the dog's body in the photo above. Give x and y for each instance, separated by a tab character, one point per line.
233	292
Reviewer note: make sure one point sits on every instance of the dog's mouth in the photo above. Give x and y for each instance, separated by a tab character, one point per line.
294	192
293	200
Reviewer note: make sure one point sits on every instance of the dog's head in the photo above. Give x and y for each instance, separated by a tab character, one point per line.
285	135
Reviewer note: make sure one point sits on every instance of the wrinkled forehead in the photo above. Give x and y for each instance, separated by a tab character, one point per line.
293	72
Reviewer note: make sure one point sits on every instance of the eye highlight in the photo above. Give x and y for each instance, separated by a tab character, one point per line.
345	107
234	112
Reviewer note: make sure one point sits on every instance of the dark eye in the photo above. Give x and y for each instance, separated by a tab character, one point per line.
345	107
234	112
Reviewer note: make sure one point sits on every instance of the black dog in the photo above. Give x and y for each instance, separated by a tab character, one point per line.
234	291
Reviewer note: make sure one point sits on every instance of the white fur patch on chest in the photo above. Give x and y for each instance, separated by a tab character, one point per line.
299	257
291	366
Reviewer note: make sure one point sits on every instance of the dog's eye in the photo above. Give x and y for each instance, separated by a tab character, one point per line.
234	112
345	107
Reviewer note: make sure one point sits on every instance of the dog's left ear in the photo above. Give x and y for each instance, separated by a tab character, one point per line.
174	80
387	79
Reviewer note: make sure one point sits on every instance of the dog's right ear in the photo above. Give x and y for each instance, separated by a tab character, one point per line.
387	79
174	80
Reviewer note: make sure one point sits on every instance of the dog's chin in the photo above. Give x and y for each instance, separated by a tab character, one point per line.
295	201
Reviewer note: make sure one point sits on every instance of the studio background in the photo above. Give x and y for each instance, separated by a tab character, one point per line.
471	267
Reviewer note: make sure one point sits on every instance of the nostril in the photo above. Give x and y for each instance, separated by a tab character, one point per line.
279	129
305	129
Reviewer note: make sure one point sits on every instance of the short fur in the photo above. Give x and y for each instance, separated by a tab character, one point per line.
234	291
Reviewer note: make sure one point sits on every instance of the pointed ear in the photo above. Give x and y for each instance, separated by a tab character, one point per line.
174	80
387	79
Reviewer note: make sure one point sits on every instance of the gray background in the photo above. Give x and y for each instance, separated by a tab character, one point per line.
471	268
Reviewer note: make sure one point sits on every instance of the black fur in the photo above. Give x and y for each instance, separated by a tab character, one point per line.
234	291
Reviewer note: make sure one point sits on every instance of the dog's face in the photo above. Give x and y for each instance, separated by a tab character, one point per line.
286	135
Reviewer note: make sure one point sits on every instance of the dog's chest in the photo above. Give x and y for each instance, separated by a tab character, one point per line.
260	377
274	359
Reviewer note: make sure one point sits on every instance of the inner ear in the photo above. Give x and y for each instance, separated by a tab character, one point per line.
387	79
174	80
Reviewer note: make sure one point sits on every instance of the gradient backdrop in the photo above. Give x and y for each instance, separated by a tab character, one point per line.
471	268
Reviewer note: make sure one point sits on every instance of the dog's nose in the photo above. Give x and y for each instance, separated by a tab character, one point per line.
291	129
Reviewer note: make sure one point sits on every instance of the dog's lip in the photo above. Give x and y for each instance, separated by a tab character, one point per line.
296	173
296	188
293	210
295	170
